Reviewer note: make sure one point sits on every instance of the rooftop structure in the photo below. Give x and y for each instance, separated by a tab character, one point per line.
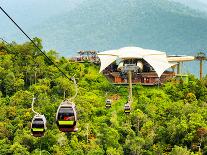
87	55
158	60
179	58
150	67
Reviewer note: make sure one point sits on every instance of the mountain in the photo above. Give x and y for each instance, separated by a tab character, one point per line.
102	25
160	25
200	5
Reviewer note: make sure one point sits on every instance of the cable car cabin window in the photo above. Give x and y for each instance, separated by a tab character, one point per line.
38	124
66	114
38	119
108	102
66	110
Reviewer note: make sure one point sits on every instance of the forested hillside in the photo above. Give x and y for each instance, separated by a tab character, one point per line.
171	119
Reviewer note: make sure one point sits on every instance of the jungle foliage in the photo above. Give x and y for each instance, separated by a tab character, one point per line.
170	120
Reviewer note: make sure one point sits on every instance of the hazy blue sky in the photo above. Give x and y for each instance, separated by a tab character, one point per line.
41	8
31	13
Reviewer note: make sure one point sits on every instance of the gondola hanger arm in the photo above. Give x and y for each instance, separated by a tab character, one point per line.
76	89
33	101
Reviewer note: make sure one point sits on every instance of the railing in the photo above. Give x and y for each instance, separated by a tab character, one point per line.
146	78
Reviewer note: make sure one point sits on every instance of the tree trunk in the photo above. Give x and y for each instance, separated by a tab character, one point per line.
35	76
201	69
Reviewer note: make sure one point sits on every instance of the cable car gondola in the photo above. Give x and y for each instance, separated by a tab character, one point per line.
66	117
127	108
108	103
38	125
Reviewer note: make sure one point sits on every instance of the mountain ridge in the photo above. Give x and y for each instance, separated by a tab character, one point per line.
101	27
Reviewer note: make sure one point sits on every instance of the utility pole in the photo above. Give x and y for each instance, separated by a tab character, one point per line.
87	134
130	84
201	56
129	67
178	68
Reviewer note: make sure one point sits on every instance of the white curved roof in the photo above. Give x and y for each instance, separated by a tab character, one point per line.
180	58
157	59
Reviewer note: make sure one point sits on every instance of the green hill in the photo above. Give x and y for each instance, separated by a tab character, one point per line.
166	120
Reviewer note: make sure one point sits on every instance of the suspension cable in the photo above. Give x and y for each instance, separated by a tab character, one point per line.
8	49
76	89
32	42
4	40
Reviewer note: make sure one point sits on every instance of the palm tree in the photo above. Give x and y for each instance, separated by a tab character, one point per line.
201	56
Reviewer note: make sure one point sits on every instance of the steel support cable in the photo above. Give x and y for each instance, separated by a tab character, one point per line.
76	89
13	51
33	99
32	41
4	40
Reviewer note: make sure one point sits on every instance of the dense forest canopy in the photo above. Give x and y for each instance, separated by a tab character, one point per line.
171	119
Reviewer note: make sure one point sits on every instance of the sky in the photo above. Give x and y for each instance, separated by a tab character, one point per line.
46	8
29	14
200	5
43	9
40	9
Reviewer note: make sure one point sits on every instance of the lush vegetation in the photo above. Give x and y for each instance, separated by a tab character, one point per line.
170	120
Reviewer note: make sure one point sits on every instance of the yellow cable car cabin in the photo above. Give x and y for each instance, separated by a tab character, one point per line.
66	117
108	103
127	108
38	125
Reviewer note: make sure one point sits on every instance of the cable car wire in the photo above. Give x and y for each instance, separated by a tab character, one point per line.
72	78
32	41
5	43
4	40
71	128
